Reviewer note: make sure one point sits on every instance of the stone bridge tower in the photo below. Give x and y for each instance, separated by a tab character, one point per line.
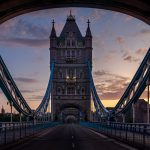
71	84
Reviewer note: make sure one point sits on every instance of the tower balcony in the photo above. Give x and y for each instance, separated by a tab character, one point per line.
70	59
70	79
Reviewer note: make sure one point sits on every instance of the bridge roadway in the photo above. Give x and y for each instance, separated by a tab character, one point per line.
70	137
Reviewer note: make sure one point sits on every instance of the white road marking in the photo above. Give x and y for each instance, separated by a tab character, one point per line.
73	145
116	142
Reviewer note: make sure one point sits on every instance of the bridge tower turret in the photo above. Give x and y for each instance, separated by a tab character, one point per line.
70	94
53	43
88	43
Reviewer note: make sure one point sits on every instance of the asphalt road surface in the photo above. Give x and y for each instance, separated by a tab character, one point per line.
70	137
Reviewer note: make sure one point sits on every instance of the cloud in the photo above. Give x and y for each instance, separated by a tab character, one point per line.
128	57
128	18
25	41
58	28
25	80
36	97
141	51
95	15
1	92
26	29
7	26
27	91
110	56
53	13
110	86
98	42
106	74
20	27
145	31
120	40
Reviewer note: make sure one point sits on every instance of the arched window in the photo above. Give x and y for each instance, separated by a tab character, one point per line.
59	90
70	90
73	42
68	53
78	89
78	53
68	42
73	53
83	90
81	74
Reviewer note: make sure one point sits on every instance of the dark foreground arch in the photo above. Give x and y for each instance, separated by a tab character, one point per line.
136	8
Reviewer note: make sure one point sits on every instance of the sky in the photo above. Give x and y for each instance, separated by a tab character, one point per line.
120	43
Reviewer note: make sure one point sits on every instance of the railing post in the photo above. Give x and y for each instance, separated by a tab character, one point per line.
133	112
120	129
126	129
144	133
20	130
148	107
25	129
123	118
13	132
5	132
11	115
133	128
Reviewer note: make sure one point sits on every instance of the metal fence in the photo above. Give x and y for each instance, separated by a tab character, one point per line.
10	132
137	135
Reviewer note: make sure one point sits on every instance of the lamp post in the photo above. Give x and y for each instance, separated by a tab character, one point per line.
11	115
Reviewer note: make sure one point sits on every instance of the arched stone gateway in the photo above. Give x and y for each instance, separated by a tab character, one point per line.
71	113
136	8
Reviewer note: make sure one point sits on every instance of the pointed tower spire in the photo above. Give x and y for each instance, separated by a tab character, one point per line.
53	32
71	17
88	31
70	12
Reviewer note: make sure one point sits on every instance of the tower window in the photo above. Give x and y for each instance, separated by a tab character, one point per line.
81	74
70	90
73	43
68	53
83	90
68	42
78	53
73	53
59	90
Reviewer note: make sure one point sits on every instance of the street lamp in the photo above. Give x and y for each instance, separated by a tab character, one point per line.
11	115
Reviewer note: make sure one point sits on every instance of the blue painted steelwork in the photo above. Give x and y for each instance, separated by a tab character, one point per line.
135	88
130	96
44	104
97	102
132	93
15	97
11	90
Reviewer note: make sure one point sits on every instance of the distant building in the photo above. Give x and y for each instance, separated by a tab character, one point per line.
2	110
140	112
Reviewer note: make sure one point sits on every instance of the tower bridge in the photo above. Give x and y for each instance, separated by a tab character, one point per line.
70	89
71	84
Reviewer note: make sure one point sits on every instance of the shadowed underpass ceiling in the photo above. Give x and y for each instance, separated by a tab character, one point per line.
137	8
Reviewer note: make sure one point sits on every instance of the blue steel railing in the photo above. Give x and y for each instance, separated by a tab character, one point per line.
137	134
11	132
